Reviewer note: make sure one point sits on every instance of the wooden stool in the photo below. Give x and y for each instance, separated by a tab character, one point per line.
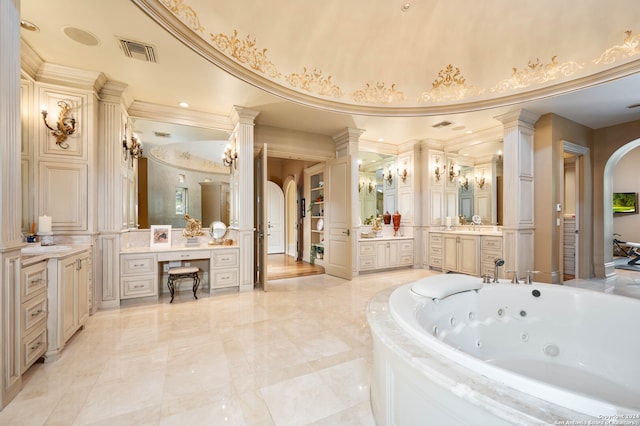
183	272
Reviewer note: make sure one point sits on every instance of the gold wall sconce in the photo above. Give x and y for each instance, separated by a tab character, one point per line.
481	181
388	177
464	183
360	185
403	174
437	170
230	157
371	186
131	147
453	173
65	126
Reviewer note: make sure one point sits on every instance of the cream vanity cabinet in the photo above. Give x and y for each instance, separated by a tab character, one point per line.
460	253
138	275
490	250
70	279
224	268
435	251
33	313
386	253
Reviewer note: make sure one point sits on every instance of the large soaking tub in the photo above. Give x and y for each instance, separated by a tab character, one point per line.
450	350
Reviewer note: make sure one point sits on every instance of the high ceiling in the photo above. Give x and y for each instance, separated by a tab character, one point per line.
391	68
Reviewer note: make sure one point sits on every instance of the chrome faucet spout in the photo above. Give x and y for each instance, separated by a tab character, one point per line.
498	263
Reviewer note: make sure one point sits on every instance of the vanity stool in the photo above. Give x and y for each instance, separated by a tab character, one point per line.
183	272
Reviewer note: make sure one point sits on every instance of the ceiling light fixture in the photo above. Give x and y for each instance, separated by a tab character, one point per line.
184	104
405	7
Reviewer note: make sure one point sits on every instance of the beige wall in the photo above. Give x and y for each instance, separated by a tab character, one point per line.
551	131
610	145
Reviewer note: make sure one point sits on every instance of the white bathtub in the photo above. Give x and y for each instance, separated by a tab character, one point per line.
504	354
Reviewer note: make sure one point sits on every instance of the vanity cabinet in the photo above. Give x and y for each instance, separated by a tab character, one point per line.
384	254
435	251
460	253
490	250
224	268
33	314
70	279
138	275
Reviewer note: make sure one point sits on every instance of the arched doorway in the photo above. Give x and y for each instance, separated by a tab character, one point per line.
275	218
607	197
291	218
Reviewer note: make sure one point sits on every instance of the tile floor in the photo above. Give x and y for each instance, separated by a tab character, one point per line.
299	354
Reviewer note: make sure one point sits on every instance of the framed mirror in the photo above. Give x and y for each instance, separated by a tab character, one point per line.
377	185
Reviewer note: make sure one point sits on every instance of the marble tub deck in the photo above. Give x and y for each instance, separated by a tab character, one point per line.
299	354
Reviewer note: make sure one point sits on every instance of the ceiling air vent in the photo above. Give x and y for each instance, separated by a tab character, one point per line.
162	134
137	50
442	124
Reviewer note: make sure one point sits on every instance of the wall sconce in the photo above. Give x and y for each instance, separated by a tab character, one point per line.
452	171
482	181
437	170
230	157
131	147
360	185
464	183
65	126
371	186
388	177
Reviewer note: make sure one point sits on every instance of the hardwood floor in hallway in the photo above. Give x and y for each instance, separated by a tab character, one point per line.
281	266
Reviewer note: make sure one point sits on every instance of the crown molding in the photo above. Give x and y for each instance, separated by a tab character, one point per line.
30	61
71	77
183	116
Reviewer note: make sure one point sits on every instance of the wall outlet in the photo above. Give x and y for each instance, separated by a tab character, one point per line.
165	267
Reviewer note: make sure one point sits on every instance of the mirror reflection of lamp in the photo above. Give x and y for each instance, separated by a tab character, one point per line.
388	177
371	186
481	181
464	183
230	157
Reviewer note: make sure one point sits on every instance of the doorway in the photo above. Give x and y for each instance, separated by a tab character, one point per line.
275	218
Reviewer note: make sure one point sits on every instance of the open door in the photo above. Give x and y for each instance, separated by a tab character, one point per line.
338	236
261	217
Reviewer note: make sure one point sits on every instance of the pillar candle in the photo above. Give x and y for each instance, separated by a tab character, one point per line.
44	224
448	221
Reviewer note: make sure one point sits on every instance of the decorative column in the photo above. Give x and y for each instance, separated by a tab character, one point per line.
113	170
243	190
10	200
518	190
347	143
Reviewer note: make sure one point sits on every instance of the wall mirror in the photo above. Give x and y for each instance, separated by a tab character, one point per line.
181	172
480	182
377	185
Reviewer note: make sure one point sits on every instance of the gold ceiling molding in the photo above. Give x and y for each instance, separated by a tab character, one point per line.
630	47
378	93
314	82
246	52
537	73
449	86
184	12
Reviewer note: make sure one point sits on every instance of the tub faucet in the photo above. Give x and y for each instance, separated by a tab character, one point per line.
498	262
530	276
514	279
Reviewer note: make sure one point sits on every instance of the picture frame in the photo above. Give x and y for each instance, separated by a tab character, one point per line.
160	236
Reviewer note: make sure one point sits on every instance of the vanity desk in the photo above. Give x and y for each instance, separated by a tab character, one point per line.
143	270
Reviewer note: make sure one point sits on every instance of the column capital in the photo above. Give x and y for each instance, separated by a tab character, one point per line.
520	117
243	115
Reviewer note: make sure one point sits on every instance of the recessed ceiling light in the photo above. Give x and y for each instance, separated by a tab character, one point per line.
26	25
184	104
469	132
380	139
405	7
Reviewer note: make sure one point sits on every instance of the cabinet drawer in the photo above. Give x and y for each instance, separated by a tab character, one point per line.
367	249
221	278
33	347
490	256
139	286
435	239
184	255
138	264
406	246
34	280
406	259
224	258
436	262
492	243
34	313
436	251
367	263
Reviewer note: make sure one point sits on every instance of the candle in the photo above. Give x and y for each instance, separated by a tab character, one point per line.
44	224
448	221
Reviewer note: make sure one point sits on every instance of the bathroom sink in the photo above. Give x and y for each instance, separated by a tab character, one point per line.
44	249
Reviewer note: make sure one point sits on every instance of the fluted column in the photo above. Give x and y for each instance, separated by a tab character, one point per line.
243	190
518	190
10	200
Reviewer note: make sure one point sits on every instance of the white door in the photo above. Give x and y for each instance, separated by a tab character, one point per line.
262	236
338	236
275	218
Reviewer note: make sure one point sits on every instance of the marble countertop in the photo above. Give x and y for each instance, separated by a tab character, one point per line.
133	250
384	238
477	231
34	253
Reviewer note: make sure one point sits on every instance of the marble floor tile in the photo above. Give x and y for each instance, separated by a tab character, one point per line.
296	355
